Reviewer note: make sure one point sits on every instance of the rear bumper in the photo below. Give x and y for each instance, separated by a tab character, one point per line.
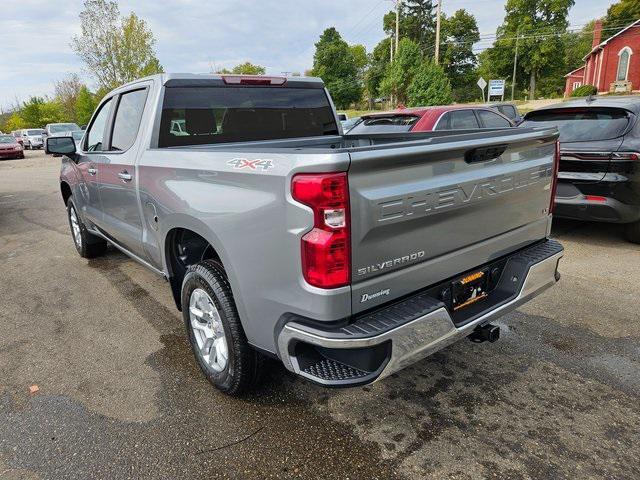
379	343
601	210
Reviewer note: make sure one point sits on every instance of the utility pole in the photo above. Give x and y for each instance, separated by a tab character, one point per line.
515	65
397	24
437	54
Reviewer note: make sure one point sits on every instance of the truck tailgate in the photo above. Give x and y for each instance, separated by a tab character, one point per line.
423	212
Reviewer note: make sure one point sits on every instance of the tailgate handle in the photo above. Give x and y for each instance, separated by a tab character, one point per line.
484	154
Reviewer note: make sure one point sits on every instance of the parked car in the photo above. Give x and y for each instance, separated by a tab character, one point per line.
426	119
507	109
77	136
10	148
17	134
599	177
346	258
51	129
349	124
343	117
32	138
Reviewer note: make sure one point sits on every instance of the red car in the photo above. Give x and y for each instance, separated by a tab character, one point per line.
426	119
10	148
17	134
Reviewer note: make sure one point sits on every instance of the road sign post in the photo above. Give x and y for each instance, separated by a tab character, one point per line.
482	83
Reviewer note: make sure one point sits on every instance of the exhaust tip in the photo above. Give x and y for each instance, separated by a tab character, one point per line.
485	333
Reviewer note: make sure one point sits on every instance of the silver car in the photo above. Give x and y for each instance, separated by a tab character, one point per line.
58	129
32	138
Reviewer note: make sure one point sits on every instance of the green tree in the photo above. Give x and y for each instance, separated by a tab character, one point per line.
66	94
86	103
620	15
37	112
361	58
577	45
430	86
13	122
335	63
246	68
539	25
417	23
115	50
378	61
400	72
459	33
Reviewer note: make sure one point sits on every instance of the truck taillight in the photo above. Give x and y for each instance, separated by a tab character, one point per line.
326	249
554	178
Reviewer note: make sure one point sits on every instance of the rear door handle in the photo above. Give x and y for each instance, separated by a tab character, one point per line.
124	175
92	171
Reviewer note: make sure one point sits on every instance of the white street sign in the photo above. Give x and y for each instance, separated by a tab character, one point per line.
496	88
482	83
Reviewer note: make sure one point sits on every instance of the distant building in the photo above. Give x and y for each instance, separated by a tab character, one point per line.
610	66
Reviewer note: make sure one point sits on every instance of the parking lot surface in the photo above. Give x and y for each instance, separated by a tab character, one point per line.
120	396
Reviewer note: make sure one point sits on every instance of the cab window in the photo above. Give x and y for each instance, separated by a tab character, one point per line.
492	120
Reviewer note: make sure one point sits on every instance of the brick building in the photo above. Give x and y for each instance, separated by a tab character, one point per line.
612	65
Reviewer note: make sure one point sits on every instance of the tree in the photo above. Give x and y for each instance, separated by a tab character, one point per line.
85	105
620	15
37	112
459	33
577	45
336	64
66	94
246	68
115	50
539	24
417	23
430	86
400	72
13	122
378	61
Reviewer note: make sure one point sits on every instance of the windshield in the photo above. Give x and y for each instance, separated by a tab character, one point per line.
7	139
390	123
63	127
582	124
35	132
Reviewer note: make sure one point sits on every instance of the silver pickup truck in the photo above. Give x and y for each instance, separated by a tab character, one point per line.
345	257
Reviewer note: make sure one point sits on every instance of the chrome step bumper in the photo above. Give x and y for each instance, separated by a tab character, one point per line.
412	340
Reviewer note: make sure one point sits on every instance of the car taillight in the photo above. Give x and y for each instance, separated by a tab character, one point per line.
326	249
625	156
554	178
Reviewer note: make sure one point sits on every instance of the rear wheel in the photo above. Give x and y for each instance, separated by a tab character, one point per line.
87	245
215	332
632	231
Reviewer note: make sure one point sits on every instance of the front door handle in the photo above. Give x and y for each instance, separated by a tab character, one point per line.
92	171
124	175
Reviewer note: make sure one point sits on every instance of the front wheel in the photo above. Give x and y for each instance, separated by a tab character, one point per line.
87	245
632	232
215	332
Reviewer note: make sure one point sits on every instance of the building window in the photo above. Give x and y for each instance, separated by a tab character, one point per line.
623	64
576	85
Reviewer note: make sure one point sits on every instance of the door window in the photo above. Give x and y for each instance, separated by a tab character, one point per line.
127	120
458	120
95	134
492	120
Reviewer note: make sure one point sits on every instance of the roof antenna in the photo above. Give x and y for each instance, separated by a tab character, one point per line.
590	98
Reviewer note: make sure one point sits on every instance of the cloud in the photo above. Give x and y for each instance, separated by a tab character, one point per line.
197	35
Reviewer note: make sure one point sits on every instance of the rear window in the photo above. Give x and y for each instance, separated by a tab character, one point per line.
386	123
582	124
205	115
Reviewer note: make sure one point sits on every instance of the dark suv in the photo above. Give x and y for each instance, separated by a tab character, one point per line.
599	176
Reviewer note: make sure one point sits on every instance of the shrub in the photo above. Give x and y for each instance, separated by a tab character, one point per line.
584	91
430	86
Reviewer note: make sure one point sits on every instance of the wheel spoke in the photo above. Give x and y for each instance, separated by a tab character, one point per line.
208	348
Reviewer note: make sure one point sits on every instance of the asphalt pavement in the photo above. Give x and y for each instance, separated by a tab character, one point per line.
97	379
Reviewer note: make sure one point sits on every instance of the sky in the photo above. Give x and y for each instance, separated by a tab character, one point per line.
199	36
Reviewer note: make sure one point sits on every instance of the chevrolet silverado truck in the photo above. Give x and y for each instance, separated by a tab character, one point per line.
346	257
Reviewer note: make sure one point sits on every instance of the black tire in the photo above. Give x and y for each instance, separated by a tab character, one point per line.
632	232
244	364
87	245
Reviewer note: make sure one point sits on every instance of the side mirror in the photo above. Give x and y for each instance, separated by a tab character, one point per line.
60	146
